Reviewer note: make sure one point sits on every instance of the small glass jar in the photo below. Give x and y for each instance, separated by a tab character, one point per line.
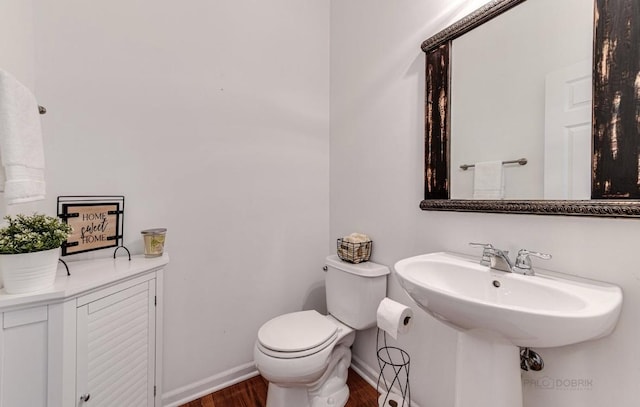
154	241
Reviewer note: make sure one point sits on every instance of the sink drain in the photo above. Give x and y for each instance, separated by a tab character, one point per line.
496	283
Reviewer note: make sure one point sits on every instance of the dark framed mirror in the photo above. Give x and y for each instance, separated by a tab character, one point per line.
606	171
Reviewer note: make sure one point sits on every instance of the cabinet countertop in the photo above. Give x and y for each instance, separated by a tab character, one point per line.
86	275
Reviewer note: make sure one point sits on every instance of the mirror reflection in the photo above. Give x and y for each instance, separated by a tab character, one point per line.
521	88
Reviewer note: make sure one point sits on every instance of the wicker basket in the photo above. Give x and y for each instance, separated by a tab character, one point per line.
354	252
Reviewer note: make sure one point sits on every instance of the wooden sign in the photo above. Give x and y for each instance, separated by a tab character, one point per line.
96	225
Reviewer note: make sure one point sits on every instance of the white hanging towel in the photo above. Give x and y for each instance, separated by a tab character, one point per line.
488	181
21	148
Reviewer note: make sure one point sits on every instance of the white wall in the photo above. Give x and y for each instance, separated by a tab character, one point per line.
16	40
377	102
212	118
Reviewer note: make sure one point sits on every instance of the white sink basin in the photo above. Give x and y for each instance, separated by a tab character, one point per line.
529	311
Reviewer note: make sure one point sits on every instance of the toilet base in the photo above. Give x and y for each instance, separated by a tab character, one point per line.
278	396
299	396
339	399
330	390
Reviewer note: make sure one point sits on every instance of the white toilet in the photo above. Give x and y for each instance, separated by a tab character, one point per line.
305	355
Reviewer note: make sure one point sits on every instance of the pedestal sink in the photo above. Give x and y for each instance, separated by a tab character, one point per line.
497	312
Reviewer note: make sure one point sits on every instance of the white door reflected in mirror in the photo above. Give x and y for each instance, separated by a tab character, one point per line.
567	136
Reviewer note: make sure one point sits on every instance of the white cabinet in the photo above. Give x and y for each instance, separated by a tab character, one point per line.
23	355
96	335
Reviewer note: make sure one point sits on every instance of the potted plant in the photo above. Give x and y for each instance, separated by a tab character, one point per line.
29	251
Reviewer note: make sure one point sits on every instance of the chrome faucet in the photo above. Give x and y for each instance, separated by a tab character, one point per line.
498	259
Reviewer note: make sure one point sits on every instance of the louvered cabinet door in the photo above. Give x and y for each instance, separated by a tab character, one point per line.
116	347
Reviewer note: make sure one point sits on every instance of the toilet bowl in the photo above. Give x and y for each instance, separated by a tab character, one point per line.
305	355
305	359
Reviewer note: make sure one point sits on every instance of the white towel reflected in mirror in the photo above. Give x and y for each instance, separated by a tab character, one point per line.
488	181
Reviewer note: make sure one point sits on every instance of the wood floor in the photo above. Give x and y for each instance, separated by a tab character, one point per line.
253	393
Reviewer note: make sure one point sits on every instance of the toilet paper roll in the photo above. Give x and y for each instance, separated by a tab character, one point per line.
391	400
394	318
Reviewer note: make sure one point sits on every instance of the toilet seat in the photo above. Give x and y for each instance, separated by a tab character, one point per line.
297	335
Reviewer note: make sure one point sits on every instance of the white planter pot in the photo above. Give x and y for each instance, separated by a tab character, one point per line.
27	272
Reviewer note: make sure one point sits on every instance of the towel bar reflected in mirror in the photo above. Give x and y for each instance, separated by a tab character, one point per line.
521	161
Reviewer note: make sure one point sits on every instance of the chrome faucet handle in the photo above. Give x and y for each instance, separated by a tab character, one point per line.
486	247
523	261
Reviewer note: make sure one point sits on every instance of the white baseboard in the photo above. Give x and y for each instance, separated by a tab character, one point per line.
209	385
369	374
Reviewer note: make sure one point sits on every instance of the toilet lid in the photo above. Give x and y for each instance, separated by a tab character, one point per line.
296	332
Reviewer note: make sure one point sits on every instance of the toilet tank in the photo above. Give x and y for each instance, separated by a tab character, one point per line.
354	291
